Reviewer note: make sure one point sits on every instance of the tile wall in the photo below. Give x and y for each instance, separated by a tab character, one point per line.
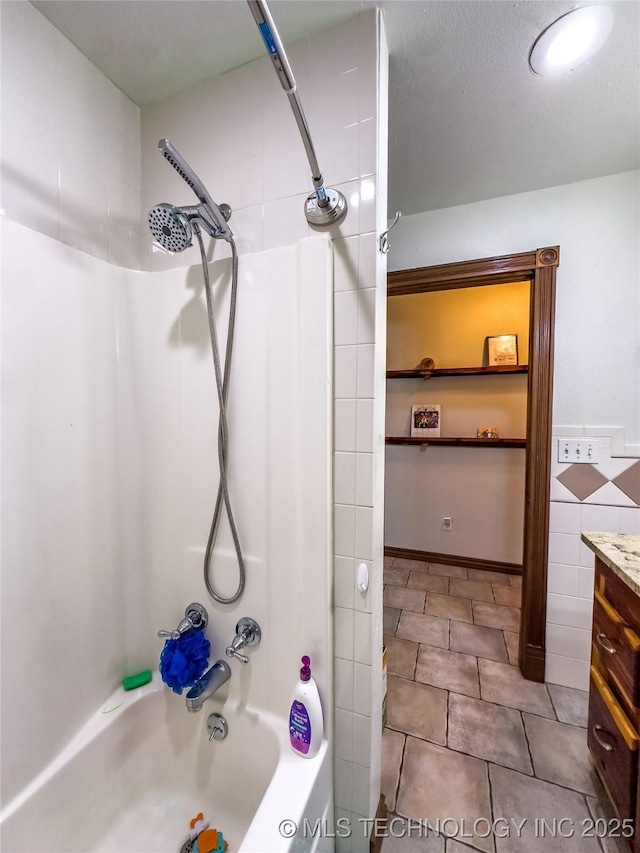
70	142
238	134
603	497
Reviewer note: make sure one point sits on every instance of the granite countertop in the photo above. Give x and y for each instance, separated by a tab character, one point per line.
619	551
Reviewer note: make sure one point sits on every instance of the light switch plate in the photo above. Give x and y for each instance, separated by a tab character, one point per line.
576	450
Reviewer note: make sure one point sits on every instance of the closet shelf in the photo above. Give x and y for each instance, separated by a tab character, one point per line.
446	441
457	371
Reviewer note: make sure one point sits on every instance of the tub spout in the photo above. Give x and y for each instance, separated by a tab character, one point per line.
207	685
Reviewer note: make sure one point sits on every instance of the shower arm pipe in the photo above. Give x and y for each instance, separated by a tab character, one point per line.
325	206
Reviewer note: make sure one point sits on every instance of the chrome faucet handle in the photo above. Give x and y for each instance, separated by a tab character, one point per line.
195	616
248	633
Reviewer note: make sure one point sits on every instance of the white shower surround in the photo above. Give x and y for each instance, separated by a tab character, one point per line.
141	769
110	470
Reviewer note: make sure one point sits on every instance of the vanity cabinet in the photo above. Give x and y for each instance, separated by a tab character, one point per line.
614	698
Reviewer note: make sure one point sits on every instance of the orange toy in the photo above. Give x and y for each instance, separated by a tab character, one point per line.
208	840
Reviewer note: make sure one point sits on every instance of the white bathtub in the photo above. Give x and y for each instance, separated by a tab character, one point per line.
132	779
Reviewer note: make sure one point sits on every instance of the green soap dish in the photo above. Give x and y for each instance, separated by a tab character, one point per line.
133	681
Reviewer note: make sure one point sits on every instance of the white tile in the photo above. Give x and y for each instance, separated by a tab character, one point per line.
343	785
28	49
584	615
368	204
562	610
564	518
284	222
364	533
630	520
568	672
362	637
344	534
368	147
343	582
344	478
124	246
367	260
242	184
286	172
82	228
609	495
345	330
343	628
350	226
247	227
338	155
366	356
364	429
345	255
345	372
362	689
343	680
560	492
345	425
586	582
586	556
367	316
331	98
603	518
343	734
364	479
569	642
362	740
564	548
123	203
563	580
361	784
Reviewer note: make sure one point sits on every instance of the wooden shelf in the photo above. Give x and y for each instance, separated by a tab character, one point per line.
457	371
446	441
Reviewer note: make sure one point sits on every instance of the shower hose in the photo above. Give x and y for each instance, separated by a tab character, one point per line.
222	388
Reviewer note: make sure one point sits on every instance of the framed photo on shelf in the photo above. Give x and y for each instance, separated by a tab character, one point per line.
502	349
425	420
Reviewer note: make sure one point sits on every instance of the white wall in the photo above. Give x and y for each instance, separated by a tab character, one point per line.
597	370
70	142
238	134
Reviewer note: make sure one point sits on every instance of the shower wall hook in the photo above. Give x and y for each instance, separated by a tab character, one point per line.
384	239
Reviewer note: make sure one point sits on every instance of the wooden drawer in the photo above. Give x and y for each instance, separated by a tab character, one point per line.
613	743
618	647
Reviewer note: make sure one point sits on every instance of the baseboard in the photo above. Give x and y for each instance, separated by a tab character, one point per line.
452	560
379	830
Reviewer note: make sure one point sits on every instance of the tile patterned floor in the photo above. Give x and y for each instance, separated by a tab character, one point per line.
467	738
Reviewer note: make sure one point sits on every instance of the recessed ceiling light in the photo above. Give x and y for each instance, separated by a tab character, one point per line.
571	40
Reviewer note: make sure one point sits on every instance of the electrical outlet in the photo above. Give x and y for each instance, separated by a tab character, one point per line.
577	450
447	523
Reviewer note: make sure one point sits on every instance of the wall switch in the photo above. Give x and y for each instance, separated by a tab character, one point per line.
447	523
578	450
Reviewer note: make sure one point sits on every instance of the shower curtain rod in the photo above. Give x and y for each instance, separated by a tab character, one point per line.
325	206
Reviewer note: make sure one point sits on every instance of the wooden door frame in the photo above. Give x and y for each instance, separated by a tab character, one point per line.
539	268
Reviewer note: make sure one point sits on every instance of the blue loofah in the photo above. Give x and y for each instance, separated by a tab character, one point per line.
183	661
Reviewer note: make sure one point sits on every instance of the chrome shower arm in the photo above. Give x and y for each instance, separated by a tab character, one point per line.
278	57
325	206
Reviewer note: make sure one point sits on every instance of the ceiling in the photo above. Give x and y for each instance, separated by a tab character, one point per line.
467	118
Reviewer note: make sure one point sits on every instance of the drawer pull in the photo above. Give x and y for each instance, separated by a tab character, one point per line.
604	745
605	643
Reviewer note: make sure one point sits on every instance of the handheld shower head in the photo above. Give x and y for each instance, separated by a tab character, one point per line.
215	217
170	227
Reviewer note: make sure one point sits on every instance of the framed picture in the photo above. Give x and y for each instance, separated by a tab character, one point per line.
425	420
502	349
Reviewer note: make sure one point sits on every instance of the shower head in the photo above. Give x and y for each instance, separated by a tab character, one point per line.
214	217
170	227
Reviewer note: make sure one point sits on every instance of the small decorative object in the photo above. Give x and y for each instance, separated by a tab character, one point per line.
502	349
425	420
426	364
488	432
